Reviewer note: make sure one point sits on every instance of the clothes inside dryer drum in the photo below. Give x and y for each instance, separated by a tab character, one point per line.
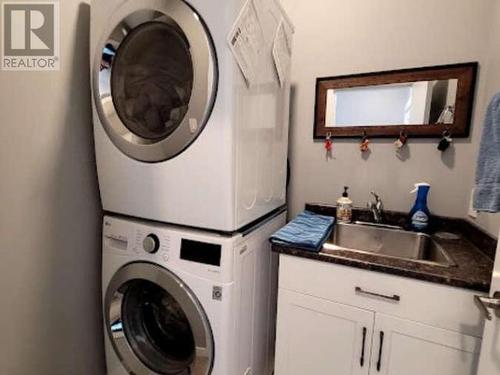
152	80
158	329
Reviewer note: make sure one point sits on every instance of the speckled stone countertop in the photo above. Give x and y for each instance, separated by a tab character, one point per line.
473	253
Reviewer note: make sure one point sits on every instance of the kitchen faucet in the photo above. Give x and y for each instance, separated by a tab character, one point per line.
377	208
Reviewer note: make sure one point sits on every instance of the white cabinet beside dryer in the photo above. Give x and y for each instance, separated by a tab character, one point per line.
316	336
326	326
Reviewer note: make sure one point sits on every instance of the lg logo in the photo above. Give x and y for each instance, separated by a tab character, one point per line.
31	35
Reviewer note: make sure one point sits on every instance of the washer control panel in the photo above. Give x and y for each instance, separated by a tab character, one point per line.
151	244
206	255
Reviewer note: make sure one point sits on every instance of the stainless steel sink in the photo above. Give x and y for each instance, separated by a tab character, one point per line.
395	243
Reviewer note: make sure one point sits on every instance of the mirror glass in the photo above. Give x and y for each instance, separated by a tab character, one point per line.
408	103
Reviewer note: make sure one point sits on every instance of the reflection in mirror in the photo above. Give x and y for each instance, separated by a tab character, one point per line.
421	102
408	103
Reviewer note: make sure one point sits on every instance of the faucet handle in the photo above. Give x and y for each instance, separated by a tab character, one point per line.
377	207
378	204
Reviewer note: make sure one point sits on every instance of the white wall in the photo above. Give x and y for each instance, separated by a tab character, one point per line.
335	37
50	320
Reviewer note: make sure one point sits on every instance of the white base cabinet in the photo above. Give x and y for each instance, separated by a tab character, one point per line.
403	347
317	335
320	337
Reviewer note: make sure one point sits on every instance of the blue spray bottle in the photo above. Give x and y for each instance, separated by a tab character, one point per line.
420	215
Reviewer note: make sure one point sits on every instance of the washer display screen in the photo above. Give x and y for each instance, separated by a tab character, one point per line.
201	252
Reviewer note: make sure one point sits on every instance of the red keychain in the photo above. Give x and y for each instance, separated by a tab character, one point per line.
328	143
401	141
364	146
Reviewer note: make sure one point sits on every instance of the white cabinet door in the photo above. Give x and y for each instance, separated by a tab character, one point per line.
319	337
403	347
490	352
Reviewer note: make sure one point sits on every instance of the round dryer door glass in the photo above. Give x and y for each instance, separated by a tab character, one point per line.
152	80
155	79
156	324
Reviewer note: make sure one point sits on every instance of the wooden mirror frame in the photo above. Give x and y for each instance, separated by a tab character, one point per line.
465	73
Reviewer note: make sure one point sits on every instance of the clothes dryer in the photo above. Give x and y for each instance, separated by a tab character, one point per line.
190	113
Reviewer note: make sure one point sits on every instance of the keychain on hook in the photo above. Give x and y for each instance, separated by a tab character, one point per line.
446	140
364	146
401	141
328	144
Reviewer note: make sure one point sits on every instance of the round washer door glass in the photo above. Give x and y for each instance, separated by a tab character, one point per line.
155	81
157	326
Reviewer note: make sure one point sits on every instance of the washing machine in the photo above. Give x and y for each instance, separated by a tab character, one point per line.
191	108
188	302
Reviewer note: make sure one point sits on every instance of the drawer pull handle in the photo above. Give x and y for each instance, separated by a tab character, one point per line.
394	297
362	359
379	362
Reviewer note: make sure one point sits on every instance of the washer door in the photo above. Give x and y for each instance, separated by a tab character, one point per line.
155	79
156	324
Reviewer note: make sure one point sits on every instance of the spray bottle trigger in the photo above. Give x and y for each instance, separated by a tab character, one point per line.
417	186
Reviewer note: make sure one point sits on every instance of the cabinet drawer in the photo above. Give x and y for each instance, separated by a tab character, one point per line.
433	304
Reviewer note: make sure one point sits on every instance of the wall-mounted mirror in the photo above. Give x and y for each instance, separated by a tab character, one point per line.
423	102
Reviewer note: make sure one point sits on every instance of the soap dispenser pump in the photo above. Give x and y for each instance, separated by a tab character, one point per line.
420	215
344	207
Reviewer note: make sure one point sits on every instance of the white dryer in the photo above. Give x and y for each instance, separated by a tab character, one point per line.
181	136
186	302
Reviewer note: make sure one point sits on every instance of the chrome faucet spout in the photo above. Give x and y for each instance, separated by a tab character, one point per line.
377	208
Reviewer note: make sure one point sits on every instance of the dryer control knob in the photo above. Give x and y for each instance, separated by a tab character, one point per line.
151	244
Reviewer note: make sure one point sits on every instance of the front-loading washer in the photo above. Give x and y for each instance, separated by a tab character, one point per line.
188	302
182	136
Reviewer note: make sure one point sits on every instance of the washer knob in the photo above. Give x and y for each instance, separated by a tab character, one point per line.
151	244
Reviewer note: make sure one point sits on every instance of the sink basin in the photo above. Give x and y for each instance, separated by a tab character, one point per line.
394	243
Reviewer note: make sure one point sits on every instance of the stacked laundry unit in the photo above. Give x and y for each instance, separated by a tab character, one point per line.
191	135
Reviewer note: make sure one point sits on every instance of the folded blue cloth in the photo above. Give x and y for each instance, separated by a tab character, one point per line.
308	231
487	196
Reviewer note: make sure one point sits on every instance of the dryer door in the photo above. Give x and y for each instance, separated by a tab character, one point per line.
156	324
155	78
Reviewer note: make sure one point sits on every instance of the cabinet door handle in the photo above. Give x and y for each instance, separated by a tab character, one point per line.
362	359
379	362
394	297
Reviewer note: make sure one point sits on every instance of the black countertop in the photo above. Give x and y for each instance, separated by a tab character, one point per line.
473	253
